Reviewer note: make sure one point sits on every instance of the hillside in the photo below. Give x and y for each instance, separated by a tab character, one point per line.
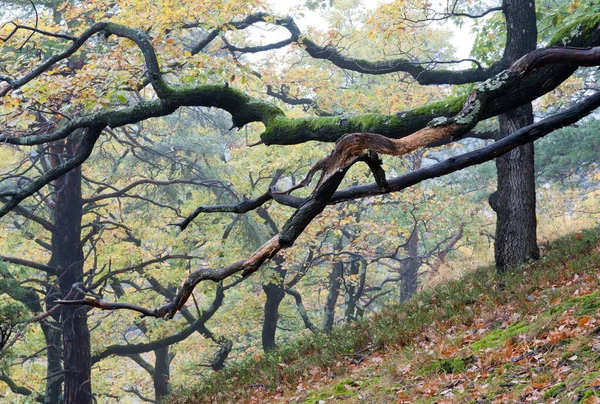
531	336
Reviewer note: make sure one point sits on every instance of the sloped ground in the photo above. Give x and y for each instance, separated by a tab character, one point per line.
531	336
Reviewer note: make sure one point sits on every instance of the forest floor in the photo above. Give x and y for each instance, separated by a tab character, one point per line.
530	336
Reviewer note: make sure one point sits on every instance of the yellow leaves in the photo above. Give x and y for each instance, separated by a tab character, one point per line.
11	115
574	6
11	102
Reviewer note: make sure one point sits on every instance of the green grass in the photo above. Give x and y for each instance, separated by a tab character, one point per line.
397	326
449	365
555	390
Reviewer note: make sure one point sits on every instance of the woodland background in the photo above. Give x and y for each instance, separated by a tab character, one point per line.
135	192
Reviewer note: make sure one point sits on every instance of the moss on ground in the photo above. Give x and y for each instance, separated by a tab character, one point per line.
497	338
555	390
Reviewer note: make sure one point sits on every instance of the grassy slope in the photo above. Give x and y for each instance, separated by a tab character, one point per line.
532	336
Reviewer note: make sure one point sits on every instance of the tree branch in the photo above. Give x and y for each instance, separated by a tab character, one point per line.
302	311
122	191
198	325
15	388
31	264
138	267
244	206
86	146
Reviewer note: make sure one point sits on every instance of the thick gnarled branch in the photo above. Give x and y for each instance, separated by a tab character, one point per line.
325	194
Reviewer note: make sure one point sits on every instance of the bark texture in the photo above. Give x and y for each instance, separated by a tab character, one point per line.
67	256
514	200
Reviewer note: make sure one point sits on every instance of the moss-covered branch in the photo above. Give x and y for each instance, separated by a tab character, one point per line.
280	130
21	390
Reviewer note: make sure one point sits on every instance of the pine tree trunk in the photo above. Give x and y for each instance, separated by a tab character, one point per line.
67	256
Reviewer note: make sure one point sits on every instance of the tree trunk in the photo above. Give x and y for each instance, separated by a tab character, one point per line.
514	200
52	337
334	291
54	376
275	294
161	373
67	256
53	391
352	294
410	269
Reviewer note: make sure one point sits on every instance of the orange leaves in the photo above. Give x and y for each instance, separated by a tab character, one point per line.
555	336
583	321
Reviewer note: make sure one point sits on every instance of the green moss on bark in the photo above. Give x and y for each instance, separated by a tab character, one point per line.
447	107
327	129
243	108
577	33
330	129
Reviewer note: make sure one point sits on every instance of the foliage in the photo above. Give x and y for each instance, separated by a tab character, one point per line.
569	155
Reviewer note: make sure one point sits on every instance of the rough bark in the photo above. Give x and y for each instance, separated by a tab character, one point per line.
53	338
67	256
514	200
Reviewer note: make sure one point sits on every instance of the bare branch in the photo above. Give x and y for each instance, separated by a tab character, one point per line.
302	311
137	267
86	147
244	206
17	27
122	191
